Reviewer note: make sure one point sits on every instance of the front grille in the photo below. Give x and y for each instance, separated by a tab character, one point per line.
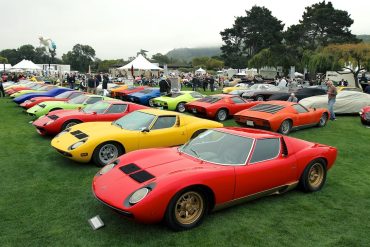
141	176
79	134
64	153
53	117
268	108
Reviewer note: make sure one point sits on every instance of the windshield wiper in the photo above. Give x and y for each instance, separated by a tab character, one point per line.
195	152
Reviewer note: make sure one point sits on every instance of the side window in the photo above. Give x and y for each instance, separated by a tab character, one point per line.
93	100
74	95
164	122
117	108
237	100
266	149
299	108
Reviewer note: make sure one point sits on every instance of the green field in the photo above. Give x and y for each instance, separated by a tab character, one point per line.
46	200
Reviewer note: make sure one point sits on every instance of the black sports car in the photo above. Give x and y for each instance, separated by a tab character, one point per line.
300	94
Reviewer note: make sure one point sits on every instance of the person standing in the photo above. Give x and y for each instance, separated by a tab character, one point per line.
105	84
163	84
292	98
91	84
332	94
194	83
211	81
2	88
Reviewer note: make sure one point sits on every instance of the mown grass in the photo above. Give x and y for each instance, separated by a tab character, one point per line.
46	200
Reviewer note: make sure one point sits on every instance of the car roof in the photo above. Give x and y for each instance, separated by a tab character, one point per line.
279	102
224	95
251	133
159	112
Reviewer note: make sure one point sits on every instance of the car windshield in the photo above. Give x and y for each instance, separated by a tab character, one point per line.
135	121
173	95
146	91
98	107
219	147
63	95
78	100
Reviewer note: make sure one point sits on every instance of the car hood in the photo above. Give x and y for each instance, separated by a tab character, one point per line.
67	113
165	99
41	98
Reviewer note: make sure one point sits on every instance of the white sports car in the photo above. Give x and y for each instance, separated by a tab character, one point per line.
346	102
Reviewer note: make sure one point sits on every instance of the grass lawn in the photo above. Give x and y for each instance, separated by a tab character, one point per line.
46	200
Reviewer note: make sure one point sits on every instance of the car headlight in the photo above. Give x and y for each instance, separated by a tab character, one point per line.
107	168
77	144
62	133
49	122
360	112
138	195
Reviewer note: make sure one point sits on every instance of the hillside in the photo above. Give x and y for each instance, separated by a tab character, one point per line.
364	37
187	54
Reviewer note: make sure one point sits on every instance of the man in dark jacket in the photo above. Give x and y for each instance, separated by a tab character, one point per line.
164	86
105	81
91	84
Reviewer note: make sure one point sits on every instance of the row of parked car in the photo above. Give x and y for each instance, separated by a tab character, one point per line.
214	166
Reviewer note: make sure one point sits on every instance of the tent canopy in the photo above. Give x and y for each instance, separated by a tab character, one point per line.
140	63
200	70
26	65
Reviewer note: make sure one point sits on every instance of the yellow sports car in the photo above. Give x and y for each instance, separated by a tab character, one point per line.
236	87
102	142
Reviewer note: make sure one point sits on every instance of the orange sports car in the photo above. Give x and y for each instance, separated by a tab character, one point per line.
281	116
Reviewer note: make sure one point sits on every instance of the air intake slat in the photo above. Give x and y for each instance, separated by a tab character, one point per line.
268	108
79	134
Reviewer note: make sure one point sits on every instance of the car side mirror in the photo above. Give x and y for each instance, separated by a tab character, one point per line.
144	129
314	108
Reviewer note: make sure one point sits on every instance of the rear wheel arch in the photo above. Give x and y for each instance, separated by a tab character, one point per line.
304	183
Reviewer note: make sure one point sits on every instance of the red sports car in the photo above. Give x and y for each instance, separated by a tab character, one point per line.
219	106
218	168
122	94
365	115
59	120
65	96
30	86
281	116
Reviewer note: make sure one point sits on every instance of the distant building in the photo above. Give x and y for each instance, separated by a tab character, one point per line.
56	68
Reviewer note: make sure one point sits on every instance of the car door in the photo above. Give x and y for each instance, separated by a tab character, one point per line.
303	116
114	112
270	166
238	104
164	132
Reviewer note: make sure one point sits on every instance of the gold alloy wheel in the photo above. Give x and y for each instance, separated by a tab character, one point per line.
189	208
316	175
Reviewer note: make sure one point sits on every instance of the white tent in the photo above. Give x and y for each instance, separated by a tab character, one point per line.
200	71
25	65
140	63
7	66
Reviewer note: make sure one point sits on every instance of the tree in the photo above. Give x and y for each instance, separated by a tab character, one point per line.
321	25
354	57
249	35
208	63
160	58
3	61
11	54
26	52
80	57
106	64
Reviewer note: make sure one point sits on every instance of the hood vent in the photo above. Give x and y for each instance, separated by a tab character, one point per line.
268	108
79	134
130	168
141	176
53	117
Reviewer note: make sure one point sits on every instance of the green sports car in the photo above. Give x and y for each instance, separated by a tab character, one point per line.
177	100
48	106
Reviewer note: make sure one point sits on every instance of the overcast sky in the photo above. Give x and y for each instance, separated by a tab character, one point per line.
120	28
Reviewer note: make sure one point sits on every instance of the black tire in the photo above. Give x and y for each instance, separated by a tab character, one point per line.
285	127
196	133
323	120
314	176
181	107
101	159
260	98
69	124
222	114
194	214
